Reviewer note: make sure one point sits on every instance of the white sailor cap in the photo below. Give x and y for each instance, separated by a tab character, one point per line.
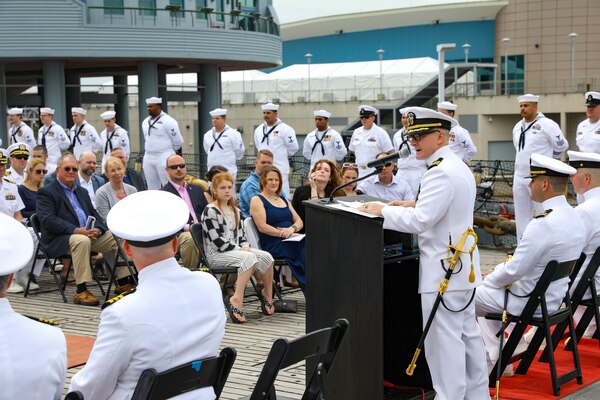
16	245
528	98
365	110
270	106
592	99
19	149
46	110
218	112
78	110
578	159
322	113
446	105
15	111
106	115
424	120
149	218
154	100
3	157
548	166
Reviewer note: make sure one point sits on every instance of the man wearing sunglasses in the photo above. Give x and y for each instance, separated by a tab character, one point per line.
441	214
588	130
196	201
369	140
19	131
19	155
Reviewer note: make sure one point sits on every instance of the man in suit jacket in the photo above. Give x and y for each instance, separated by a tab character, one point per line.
132	177
63	208
195	200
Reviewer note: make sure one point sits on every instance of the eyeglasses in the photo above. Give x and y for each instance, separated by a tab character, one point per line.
177	166
41	171
418	136
349	165
21	157
70	169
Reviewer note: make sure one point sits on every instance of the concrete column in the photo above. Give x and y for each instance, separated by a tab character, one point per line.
209	78
73	94
53	75
147	87
3	107
162	88
122	106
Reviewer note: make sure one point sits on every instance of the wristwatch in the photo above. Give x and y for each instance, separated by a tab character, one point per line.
295	228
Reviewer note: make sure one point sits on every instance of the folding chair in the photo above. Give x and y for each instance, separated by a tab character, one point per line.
113	270
553	272
322	345
194	375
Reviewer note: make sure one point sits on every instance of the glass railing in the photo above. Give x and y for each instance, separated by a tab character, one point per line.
174	16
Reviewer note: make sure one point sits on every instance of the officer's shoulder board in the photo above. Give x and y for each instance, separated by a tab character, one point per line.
435	163
117	298
544	213
42	320
6	179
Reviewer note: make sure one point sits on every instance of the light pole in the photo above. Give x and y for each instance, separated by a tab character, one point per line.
466	48
505	42
573	37
308	57
441	49
380	54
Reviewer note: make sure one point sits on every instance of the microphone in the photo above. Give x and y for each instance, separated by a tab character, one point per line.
380	162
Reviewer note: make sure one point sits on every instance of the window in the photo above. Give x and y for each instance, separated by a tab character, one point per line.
247	3
176	4
219	4
148	8
515	84
200	4
113	7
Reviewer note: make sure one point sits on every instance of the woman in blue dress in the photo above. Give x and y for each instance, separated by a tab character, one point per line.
276	220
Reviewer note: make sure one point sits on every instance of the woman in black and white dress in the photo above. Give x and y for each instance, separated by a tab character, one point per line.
225	244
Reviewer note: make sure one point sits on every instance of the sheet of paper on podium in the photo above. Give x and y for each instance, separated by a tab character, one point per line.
352	207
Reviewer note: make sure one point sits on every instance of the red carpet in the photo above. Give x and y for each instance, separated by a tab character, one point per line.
78	349
537	385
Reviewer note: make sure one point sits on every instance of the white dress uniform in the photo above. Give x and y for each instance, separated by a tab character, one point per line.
398	189
409	168
159	326
328	144
223	148
542	136
84	137
461	143
162	138
118	137
21	134
366	144
588	136
281	140
14	176
10	201
56	140
559	235
589	211
444	210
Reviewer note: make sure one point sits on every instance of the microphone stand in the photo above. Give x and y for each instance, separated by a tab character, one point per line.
378	169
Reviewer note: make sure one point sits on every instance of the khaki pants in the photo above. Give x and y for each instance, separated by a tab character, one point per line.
80	248
188	251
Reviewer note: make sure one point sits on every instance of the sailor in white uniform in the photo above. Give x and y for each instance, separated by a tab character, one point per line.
83	135
442	213
159	325
533	134
324	143
19	131
18	154
409	168
460	141
223	145
588	130
280	138
33	355
368	140
113	136
162	138
53	137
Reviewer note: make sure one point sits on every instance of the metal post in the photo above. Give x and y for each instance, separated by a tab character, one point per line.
505	42
466	48
380	54
573	37
441	49
308	57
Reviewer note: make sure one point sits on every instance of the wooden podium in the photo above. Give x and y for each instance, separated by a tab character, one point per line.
348	277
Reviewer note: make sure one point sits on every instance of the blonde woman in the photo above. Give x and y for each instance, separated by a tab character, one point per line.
34	179
115	189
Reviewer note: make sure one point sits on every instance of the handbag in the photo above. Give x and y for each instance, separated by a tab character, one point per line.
286	306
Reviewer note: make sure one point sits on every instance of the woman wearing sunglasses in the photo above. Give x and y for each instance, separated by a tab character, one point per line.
34	179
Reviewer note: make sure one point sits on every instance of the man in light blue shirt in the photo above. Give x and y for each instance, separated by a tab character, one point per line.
251	186
386	185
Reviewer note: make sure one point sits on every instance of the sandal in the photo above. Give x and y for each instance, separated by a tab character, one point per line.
233	310
266	305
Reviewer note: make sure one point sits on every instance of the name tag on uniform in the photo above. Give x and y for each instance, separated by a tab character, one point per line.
9	196
371	139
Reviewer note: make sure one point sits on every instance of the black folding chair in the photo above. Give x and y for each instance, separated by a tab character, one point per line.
553	272
194	375
124	264
321	345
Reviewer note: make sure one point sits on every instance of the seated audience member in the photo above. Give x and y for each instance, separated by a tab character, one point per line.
34	180
215	169
63	208
175	315
556	234
226	245
132	177
40	151
115	189
251	186
349	172
386	185
34	354
586	183
196	201
19	155
322	179
276	220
